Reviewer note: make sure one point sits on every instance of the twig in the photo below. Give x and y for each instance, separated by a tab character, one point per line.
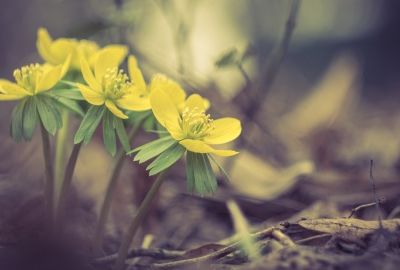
273	63
215	255
378	209
354	210
313	238
156	253
283	238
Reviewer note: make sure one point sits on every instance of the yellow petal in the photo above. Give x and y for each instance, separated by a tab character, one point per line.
113	108
11	91
136	76
201	147
62	48
49	79
43	45
90	95
226	130
88	76
194	101
65	66
134	103
107	59
164	110
171	88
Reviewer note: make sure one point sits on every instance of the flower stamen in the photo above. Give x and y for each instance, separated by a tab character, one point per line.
115	83
196	124
28	76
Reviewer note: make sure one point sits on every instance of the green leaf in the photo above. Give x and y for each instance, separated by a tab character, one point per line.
17	121
166	159
71	105
204	176
221	170
89	124
153	150
190	166
149	123
137	117
228	59
68	93
109	133
73	84
150	144
123	138
49	114
29	118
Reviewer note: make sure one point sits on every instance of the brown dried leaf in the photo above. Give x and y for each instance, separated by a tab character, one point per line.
352	230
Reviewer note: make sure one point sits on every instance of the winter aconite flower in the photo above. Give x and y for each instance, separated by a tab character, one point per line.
31	85
190	130
108	85
56	51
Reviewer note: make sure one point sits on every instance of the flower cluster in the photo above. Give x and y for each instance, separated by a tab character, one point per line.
96	88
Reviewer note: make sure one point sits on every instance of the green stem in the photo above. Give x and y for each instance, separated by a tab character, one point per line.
69	171
137	220
106	207
48	178
59	165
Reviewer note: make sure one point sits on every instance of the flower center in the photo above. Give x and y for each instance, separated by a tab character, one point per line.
196	124
115	83
28	76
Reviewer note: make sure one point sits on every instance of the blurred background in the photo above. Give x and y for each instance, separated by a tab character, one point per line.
311	121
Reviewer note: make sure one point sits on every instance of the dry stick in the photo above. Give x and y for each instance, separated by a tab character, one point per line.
354	210
65	188
313	238
156	253
378	209
271	68
112	184
48	177
215	255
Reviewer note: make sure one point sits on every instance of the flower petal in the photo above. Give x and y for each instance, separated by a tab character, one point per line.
118	51
201	147
43	45
49	79
62	48
226	130
10	88
136	76
107	59
88	76
91	96
171	88
194	101
164	109
65	66
134	103
113	108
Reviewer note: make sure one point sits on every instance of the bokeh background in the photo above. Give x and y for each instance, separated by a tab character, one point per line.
332	107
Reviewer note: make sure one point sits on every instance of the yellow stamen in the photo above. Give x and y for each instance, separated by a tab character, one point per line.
196	124
28	76
115	83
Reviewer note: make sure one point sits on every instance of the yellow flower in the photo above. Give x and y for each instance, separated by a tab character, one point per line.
32	80
158	81
193	128
56	52
108	85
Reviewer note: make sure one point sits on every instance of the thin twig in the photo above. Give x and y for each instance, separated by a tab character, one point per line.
271	69
354	210
378	209
156	253
215	255
313	238
244	74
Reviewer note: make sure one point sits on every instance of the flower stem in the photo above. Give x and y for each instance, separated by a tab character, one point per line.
137	220
69	171
106	207
59	164
48	178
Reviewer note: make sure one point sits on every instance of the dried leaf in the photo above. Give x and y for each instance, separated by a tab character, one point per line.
351	230
201	251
